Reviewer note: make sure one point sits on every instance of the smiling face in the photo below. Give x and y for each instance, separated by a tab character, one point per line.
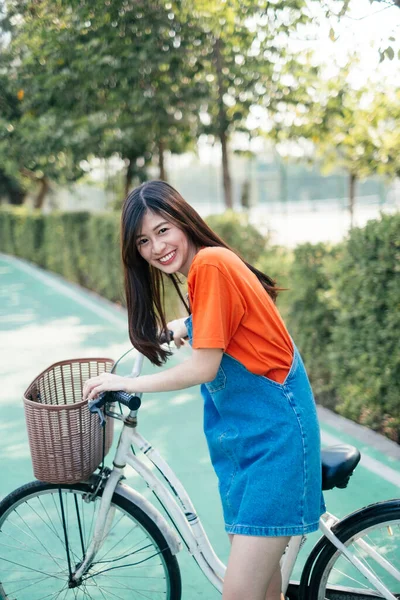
163	245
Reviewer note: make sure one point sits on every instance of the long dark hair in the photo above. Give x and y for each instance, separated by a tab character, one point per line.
144	284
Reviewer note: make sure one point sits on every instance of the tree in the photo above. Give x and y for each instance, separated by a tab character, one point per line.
243	51
125	66
339	9
353	130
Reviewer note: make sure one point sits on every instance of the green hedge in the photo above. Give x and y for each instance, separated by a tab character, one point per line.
21	234
344	316
85	248
311	316
365	350
238	233
341	303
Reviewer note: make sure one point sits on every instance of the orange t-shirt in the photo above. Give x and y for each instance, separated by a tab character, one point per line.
231	310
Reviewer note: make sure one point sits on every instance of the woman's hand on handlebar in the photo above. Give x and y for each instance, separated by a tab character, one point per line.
179	331
106	382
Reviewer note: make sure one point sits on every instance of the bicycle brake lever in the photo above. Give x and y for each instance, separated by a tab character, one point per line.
94	408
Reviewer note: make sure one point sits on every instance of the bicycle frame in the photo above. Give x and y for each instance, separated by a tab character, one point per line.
183	514
180	508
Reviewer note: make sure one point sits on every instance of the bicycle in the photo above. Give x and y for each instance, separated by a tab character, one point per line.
101	539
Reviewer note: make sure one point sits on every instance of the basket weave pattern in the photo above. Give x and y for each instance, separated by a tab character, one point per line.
65	439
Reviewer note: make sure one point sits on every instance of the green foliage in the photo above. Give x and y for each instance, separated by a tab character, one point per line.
276	261
103	257
65	245
57	242
352	130
123	76
237	232
21	234
365	340
311	316
133	79
343	312
242	56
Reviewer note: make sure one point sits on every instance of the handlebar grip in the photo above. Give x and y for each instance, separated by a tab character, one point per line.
129	400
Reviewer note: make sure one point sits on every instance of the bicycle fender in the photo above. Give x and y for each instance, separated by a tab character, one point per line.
341	526
133	496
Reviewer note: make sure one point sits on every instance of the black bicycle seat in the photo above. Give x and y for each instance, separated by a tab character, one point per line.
338	464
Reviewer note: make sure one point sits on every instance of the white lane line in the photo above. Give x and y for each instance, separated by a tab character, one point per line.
64	289
367	462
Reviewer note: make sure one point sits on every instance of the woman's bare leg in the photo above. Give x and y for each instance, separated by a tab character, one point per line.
252	567
275	586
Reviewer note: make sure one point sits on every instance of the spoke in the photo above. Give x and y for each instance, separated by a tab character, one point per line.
86	591
51	595
97	587
137	576
370	564
112	594
52	529
24	546
101	591
351	578
66	593
118	542
26	534
126	587
130	553
36	537
32	569
123	566
38	523
62	541
25	587
140	592
376	548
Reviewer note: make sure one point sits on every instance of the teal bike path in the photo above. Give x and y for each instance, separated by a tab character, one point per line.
44	319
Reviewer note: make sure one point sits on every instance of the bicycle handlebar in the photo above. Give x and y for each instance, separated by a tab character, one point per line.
131	401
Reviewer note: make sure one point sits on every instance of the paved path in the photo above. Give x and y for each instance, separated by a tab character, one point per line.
43	319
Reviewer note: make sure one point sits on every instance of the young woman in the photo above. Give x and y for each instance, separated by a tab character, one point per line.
259	413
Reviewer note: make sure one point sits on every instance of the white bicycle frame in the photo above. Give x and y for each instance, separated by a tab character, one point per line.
177	503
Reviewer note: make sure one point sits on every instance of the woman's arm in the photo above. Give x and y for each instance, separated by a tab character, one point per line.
201	367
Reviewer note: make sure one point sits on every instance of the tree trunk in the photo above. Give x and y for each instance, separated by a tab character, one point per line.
223	126
161	158
352	190
245	194
10	189
225	171
128	177
44	186
43	189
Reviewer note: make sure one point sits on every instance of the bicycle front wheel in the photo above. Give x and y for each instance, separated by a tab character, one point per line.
44	533
373	536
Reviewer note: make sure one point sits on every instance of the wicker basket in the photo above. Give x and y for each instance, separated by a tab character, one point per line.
65	439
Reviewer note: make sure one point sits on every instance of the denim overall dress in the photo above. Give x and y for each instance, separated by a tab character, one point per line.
264	445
